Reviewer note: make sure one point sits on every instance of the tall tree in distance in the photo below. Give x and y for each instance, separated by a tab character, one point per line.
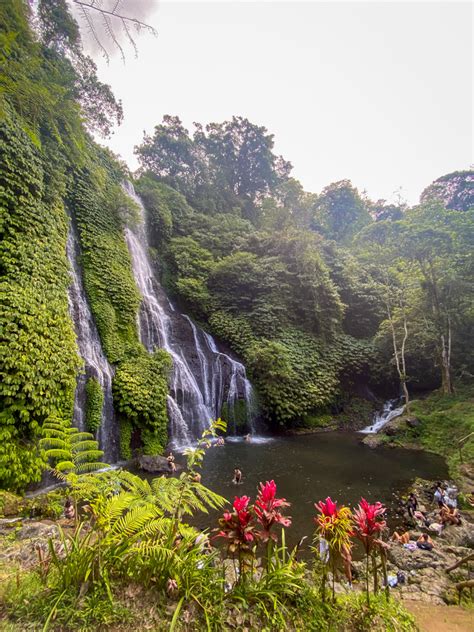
341	212
227	165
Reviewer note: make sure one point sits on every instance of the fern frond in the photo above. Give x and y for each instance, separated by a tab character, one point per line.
134	483
83	468
87	455
133	521
56	453
63	466
53	442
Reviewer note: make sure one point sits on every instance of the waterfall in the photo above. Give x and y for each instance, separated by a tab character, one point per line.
391	409
90	350
203	379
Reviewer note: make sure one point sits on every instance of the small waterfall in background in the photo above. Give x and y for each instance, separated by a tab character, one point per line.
391	409
90	349
203	379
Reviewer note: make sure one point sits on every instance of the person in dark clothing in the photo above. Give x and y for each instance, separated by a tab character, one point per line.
412	505
425	543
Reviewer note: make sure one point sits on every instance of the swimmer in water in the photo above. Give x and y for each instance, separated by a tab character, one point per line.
248	438
237	476
171	463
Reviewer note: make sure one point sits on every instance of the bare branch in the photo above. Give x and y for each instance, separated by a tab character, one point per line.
110	32
129	37
138	23
91	28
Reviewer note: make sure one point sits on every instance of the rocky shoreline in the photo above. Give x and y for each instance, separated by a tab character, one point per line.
428	577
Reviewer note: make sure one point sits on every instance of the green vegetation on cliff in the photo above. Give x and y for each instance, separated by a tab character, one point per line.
49	98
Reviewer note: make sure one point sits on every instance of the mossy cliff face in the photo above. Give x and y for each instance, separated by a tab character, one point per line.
49	98
38	356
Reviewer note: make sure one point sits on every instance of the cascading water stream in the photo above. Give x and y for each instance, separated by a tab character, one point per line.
239	387
391	409
95	363
202	379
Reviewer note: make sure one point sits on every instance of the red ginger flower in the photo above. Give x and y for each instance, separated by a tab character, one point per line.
266	509
328	508
368	522
237	526
334	524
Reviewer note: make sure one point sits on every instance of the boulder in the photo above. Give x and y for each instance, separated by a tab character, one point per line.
37	531
459	535
373	440
394	426
407	560
155	464
412	422
10	504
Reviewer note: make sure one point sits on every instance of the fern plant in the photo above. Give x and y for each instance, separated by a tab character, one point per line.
68	449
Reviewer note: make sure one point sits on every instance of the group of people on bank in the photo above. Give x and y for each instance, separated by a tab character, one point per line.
435	521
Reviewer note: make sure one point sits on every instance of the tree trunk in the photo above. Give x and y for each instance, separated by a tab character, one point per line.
446	382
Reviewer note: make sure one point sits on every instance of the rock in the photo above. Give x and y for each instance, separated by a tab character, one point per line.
394	426
459	535
412	422
37	531
373	440
415	560
10	504
155	464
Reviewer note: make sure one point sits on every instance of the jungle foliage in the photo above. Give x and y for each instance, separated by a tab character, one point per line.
50	98
317	293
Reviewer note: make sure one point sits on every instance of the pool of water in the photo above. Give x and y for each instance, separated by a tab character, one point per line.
309	468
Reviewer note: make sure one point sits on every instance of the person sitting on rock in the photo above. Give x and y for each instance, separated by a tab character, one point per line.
403	538
424	542
449	515
438	493
69	511
412	505
171	463
237	476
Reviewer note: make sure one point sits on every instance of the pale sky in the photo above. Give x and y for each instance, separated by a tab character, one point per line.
376	92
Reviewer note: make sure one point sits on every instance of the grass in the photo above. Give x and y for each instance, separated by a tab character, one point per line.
445	419
27	605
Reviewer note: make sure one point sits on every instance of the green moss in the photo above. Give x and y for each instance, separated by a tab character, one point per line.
316	421
10	504
126	430
94	404
356	412
46	506
38	358
140	393
100	207
236	416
